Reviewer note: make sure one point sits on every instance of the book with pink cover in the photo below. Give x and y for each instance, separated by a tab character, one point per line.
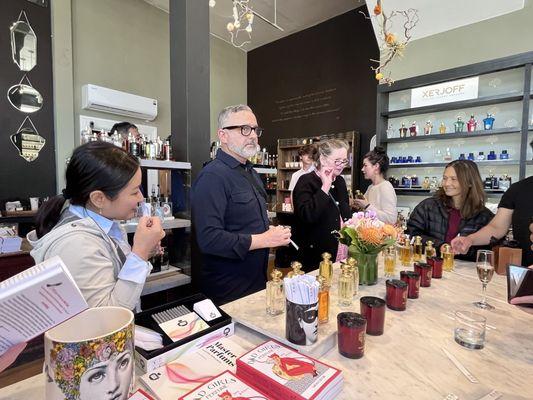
225	386
282	373
191	370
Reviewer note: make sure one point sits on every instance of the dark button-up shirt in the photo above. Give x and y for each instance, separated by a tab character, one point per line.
227	209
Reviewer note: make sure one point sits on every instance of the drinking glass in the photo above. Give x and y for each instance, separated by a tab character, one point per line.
470	329
485	271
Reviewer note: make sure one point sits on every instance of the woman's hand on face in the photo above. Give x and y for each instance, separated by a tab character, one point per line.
326	175
147	236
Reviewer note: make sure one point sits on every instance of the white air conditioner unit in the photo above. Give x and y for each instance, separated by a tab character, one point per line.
112	101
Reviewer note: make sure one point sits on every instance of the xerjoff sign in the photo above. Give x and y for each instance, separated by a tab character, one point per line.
446	92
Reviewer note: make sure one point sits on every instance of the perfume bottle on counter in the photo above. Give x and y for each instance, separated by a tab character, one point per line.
323	300
403	131
427	128
326	267
471	125
345	286
459	125
488	122
352	264
442	128
447	257
275	295
417	249
296	269
430	250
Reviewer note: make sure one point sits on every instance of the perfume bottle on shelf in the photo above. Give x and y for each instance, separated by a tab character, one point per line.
403	131
326	267
345	286
505	182
426	183
504	155
275	296
488	123
447	155
414	181
430	250
442	128
427	128
413	129
495	182
390	131
471	157
459	125
488	182
481	156
471	125
434	183
323	300
492	155
462	156
296	269
417	249
438	155
352	264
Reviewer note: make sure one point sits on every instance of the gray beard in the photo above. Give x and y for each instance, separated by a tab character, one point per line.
244	152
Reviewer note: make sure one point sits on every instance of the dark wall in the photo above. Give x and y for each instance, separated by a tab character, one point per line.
317	81
20	179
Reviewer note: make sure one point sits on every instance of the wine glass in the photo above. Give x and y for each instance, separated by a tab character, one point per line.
485	270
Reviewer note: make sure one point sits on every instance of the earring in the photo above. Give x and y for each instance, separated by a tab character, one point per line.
100	211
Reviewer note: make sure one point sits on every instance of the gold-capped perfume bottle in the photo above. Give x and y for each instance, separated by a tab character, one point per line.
326	267
389	260
275	295
352	264
447	257
417	249
345	286
323	300
296	269
430	250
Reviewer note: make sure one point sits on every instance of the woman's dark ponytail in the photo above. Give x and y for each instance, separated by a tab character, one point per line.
48	215
378	156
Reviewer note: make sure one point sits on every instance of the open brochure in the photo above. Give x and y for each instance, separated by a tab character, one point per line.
36	300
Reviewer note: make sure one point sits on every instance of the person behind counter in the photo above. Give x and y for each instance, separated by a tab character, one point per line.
102	186
307	155
230	215
457	208
321	204
380	196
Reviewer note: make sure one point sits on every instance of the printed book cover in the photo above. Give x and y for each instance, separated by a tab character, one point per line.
284	373
191	370
225	386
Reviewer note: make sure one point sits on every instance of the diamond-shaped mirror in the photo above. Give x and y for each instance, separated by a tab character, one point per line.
28	141
24	97
23	44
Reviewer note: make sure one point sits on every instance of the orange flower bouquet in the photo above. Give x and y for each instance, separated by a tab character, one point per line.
365	237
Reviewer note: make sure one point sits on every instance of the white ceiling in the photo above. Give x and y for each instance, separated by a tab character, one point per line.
295	15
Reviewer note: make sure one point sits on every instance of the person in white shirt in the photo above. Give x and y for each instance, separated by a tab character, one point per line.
306	154
380	195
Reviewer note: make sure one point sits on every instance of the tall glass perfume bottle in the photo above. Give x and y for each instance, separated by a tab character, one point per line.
471	125
275	296
323	300
442	128
345	286
413	129
417	249
403	131
427	128
459	125
352	264
389	259
447	257
447	155
488	123
430	250
326	267
296	269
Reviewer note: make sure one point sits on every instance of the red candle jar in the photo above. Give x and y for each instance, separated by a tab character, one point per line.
396	294
425	271
413	283
436	263
351	334
373	309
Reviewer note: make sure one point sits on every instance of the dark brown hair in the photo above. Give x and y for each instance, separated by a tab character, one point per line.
471	185
309	149
378	156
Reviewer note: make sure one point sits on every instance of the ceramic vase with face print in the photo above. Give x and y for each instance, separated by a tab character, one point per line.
90	356
301	323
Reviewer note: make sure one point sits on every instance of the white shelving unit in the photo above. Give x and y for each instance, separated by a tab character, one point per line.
162	164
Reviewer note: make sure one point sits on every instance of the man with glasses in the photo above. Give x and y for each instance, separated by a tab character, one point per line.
230	215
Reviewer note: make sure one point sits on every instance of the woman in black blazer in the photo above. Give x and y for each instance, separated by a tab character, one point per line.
320	201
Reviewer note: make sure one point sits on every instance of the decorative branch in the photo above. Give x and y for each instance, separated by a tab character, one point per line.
390	46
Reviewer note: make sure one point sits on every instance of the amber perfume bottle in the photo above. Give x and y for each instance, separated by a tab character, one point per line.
296	269
430	250
275	296
442	128
323	300
417	249
447	257
346	286
326	267
389	258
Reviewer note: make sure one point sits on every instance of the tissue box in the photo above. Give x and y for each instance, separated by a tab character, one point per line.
147	361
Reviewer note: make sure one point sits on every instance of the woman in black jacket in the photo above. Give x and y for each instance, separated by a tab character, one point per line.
458	207
321	204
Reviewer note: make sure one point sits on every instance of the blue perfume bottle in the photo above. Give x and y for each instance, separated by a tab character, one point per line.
414	180
462	156
492	155
418	159
410	159
393	160
471	157
504	155
481	156
488	122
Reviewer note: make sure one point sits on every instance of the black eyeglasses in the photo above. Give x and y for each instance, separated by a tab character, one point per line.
246	130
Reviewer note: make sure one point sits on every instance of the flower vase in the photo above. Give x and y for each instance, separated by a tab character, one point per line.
367	264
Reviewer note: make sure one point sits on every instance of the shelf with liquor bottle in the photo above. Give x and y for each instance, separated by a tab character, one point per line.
477	112
289	162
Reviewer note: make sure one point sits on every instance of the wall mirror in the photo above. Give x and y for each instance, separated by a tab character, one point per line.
28	141
23	43
25	98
